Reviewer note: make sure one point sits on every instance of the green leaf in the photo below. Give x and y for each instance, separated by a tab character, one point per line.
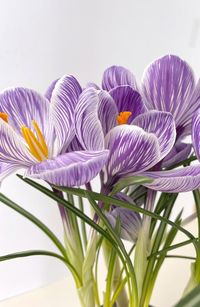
123	204
44	228
68	206
190	300
31	253
125	182
106	200
35	221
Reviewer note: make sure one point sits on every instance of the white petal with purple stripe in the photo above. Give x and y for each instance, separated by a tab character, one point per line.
70	169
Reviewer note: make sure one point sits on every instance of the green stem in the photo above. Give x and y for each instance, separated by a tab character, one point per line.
180	256
83	227
109	279
118	291
116	238
172	247
156	244
76	229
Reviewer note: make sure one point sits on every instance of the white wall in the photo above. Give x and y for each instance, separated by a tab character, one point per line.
42	39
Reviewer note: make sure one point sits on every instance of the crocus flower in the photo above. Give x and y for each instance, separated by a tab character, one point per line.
130	222
35	134
133	149
168	84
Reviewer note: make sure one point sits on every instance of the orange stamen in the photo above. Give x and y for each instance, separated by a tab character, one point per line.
123	117
4	116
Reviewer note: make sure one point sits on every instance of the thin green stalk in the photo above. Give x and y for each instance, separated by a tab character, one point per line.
183	162
118	290
170	237
173	247
196	195
76	225
180	256
83	227
120	244
109	279
156	244
197	203
32	253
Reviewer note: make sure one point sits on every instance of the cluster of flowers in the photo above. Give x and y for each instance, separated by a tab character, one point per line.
71	134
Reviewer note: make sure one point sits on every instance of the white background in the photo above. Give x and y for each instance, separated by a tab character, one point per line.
42	39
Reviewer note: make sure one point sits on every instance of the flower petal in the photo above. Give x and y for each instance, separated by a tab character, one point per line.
162	125
132	150
196	133
92	84
175	181
127	99
70	169
116	76
88	126
130	222
193	106
107	111
50	89
168	84
24	105
7	169
63	101
12	148
179	152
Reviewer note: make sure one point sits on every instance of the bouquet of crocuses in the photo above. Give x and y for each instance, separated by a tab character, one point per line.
141	141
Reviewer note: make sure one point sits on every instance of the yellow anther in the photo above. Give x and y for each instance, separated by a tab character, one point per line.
4	116
123	117
37	145
40	138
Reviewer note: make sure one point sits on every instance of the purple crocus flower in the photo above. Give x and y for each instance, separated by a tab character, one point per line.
168	84
133	149
35	134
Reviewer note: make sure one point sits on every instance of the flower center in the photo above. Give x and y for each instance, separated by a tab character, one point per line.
4	116
123	117
35	142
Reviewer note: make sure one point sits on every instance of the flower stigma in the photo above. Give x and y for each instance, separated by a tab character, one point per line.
36	142
123	117
4	116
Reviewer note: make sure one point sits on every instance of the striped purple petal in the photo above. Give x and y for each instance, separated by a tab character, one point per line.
130	222
162	125
7	169
132	150
12	147
175	181
127	99
50	89
24	105
70	169
193	106
168	85
107	111
179	152
196	133
116	76
63	101
88	126
92	84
